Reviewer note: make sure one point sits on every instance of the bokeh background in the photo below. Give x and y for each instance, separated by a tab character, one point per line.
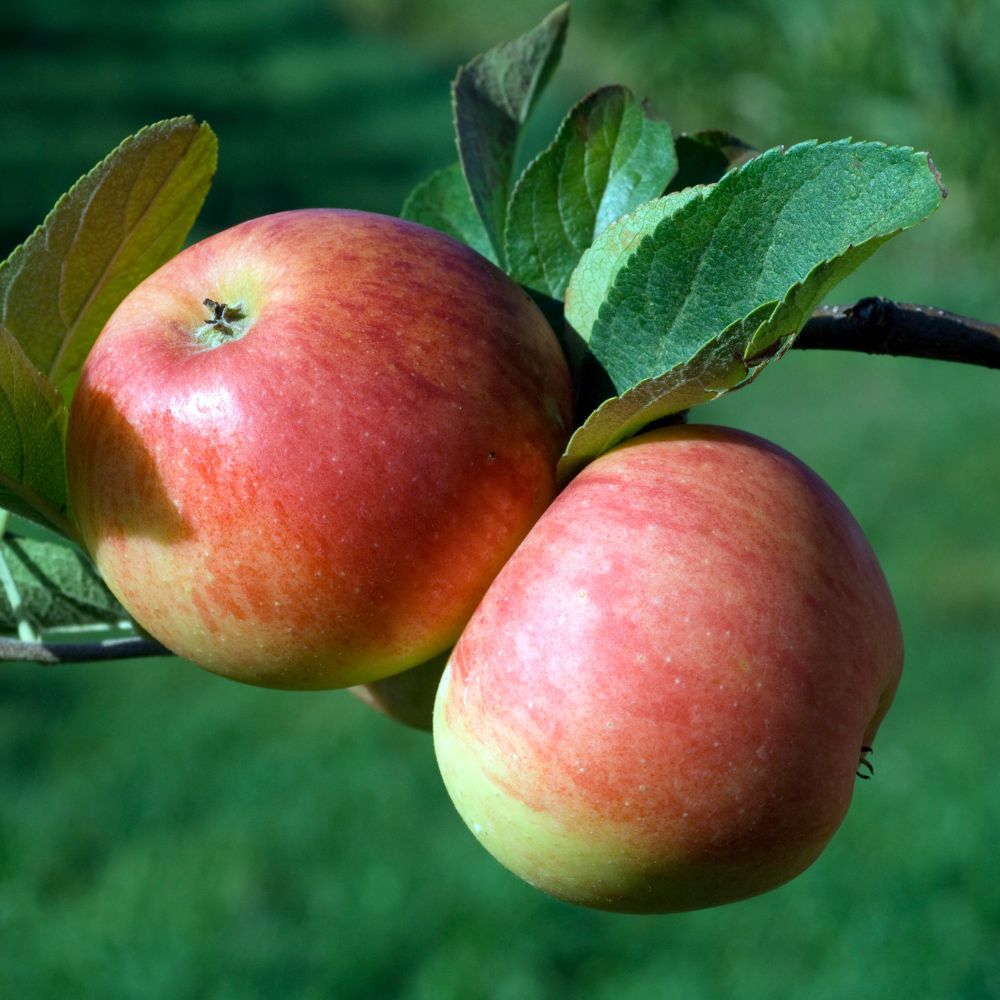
167	834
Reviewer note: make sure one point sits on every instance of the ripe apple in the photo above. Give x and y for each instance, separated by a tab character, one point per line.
301	450
661	702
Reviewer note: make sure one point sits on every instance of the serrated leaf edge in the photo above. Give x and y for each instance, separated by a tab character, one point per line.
752	361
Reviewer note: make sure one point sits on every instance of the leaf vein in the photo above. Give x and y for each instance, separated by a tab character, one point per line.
119	250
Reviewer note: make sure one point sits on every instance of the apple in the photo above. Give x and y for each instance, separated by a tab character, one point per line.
407	697
301	450
662	701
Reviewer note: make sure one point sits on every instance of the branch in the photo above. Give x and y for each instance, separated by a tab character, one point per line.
52	653
880	326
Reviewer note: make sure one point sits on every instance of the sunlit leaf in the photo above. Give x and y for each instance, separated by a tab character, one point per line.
609	156
116	225
492	97
56	583
599	265
693	298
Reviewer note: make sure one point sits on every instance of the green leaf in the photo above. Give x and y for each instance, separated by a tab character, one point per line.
706	157
32	423
57	585
711	372
115	226
492	97
609	156
598	267
697	301
443	202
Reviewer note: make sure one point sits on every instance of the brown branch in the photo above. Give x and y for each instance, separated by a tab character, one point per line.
880	326
52	653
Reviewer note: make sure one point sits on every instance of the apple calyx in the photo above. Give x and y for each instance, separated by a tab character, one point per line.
864	762
225	322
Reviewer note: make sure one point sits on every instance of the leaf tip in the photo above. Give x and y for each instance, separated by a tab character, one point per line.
559	16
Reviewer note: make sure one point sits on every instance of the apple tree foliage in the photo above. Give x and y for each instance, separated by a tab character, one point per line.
115	226
674	268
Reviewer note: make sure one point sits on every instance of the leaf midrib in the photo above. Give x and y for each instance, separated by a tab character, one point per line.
72	326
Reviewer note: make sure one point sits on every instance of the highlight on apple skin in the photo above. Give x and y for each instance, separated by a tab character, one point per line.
661	701
301	450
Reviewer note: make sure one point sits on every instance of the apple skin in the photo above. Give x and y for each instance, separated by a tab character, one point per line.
322	498
660	703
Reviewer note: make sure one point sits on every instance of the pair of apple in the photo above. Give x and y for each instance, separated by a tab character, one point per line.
303	454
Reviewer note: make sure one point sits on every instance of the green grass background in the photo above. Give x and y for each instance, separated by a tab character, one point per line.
167	834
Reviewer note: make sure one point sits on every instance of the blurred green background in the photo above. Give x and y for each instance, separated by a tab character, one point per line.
167	834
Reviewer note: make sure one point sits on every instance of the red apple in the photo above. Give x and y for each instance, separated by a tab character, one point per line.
661	702
301	450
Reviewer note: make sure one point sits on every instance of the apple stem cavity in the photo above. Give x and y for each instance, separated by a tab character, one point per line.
224	323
